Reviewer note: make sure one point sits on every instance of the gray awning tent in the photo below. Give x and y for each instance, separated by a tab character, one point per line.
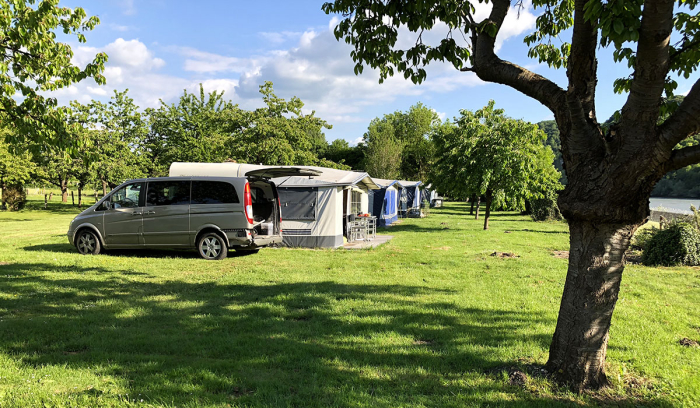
313	207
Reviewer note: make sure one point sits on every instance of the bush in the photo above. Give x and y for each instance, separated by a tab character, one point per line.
14	197
545	208
642	237
679	244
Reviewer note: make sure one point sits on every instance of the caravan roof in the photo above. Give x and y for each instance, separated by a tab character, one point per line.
405	183
322	176
384	183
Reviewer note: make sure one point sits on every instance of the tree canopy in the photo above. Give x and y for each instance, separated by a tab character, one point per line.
485	153
33	62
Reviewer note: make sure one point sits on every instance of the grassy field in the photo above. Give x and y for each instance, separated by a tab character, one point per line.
429	319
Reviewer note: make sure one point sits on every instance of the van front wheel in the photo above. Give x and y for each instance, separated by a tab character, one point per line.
212	247
88	243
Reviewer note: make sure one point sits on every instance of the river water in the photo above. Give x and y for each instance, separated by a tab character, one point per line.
674	204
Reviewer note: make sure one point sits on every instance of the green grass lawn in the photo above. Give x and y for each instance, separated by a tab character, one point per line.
429	319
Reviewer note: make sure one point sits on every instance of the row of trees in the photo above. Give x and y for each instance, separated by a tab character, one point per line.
115	141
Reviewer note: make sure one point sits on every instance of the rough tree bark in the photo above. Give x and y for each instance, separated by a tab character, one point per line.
489	200
471	209
478	205
64	190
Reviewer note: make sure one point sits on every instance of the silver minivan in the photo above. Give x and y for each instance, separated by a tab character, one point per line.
210	214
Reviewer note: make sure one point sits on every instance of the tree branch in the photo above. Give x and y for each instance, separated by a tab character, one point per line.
490	68
652	65
583	65
684	122
683	157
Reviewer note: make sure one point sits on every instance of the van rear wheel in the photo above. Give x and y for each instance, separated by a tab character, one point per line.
212	247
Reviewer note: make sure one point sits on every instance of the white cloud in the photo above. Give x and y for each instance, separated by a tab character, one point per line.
279	37
206	62
441	115
121	28
131	65
97	91
132	53
356	141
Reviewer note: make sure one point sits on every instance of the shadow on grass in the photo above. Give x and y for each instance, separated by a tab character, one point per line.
285	344
544	232
131	253
54	207
411	228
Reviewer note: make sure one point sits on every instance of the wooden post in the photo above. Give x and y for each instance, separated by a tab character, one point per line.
50	195
46	201
96	196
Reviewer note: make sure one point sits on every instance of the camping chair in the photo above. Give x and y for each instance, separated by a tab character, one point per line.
371	227
357	230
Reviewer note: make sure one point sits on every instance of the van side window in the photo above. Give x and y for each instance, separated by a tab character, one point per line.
213	192
127	196
168	193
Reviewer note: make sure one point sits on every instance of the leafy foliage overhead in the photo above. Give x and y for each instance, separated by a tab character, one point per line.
32	61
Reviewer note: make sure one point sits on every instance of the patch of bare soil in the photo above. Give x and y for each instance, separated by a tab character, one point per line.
688	342
505	255
517	378
561	254
4	263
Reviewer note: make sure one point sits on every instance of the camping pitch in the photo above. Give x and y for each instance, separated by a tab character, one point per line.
314	209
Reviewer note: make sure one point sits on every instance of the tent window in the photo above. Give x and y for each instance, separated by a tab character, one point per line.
298	203
356	202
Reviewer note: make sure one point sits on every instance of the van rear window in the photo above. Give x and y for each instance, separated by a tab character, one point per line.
213	192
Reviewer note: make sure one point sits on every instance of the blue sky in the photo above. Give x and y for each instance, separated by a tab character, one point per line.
157	48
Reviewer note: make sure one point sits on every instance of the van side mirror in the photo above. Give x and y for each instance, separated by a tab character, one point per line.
106	205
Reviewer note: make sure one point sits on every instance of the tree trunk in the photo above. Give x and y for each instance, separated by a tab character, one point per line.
64	190
596	262
104	187
489	199
80	195
471	210
3	206
478	204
